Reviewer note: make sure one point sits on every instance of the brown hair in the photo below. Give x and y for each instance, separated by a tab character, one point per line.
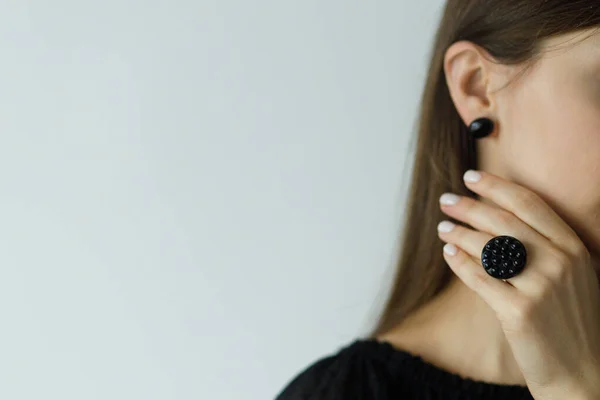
510	31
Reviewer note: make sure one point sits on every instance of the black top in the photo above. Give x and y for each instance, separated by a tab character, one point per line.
371	370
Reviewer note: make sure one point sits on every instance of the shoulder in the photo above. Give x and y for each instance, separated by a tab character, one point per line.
359	367
314	380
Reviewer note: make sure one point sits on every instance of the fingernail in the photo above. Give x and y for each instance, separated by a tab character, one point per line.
449	248
445	226
472	176
449	199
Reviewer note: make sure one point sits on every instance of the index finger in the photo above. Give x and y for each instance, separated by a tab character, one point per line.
526	205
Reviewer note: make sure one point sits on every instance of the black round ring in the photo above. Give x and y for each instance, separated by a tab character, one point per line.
503	257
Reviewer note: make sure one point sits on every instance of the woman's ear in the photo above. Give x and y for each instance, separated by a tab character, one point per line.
471	79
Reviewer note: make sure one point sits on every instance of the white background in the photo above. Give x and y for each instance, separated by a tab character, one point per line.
198	199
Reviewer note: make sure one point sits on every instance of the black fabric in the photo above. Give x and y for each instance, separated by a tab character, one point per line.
367	369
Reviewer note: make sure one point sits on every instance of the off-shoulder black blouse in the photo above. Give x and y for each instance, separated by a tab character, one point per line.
367	369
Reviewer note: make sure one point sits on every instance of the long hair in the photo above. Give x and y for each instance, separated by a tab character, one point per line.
511	32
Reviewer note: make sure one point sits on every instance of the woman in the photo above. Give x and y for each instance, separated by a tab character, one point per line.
510	309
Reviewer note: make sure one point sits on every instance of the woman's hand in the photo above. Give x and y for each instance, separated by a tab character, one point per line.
550	312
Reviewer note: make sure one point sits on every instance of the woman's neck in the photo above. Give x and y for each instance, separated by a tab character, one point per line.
459	332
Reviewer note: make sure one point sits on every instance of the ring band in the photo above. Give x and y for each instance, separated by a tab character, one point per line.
503	257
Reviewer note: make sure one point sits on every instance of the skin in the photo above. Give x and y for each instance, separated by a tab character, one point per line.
543	161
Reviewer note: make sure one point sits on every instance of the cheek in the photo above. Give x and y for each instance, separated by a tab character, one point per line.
568	144
553	147
555	143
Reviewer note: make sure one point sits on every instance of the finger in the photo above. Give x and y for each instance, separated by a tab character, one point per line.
495	221
527	206
469	240
496	293
489	218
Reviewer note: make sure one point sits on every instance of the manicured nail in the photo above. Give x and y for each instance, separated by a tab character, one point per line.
449	199
449	248
445	226
472	176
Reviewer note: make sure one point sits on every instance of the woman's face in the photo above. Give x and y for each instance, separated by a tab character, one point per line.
548	132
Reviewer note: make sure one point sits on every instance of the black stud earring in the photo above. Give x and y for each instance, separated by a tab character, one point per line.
481	127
